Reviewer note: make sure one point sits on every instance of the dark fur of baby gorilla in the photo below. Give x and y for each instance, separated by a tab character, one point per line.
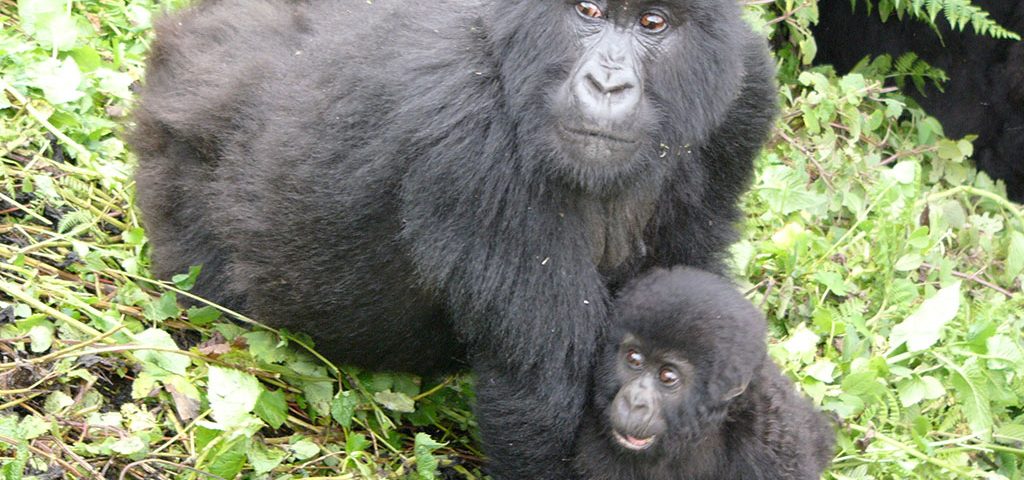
686	391
442	185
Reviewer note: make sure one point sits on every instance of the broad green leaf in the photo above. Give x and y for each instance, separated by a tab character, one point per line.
160	362
971	386
802	342
923	328
908	262
232	394
163	308
202	316
229	459
319	396
186	281
823	370
395	401
833	281
1015	255
304	449
264	458
130	446
864	384
1010	433
426	463
57	401
41	337
272	407
343	407
59	80
49	22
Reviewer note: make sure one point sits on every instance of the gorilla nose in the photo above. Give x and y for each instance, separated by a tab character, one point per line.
607	93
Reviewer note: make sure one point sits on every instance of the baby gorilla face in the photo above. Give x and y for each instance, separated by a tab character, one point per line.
653	384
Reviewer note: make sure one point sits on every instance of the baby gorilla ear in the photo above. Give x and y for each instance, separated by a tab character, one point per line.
736	391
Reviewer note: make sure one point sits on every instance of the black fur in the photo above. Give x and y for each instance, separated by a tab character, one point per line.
985	93
382	176
768	432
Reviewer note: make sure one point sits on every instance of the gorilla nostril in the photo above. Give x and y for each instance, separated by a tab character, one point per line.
594	83
618	88
610	87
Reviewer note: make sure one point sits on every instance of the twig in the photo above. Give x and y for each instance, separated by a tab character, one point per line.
822	173
124	471
974	278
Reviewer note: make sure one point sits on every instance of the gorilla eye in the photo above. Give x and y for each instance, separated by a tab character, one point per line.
635	359
668	377
653	22
588	9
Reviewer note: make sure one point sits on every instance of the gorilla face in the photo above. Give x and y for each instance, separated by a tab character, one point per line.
638	80
653	385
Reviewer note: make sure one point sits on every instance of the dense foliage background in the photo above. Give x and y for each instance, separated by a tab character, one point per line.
890	271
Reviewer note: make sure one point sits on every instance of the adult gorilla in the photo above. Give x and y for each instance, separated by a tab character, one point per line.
420	184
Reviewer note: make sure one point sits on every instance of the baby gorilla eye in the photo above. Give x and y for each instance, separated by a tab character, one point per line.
653	22
635	359
588	9
668	377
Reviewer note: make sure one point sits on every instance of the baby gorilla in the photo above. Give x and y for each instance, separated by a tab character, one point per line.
685	390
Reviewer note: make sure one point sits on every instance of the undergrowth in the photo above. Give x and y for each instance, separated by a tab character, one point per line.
889	268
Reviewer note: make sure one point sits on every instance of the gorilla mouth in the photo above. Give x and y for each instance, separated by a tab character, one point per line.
633	443
597	134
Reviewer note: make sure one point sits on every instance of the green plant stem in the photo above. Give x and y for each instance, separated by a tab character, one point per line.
911	451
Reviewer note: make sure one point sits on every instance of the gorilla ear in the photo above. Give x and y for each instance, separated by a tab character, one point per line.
736	391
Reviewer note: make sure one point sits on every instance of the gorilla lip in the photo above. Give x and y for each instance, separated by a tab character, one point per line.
597	134
633	443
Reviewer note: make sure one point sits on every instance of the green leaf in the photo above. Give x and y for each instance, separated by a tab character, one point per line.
41	336
971	384
87	58
923	328
49	22
802	342
266	346
272	407
1010	433
902	172
343	408
395	401
1015	255
823	370
865	385
304	449
157	362
232	394
426	463
319	395
57	401
161	309
833	281
130	446
263	458
187	281
908	262
202	316
228	462
59	80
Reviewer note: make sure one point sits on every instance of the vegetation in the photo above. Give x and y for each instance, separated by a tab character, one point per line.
889	268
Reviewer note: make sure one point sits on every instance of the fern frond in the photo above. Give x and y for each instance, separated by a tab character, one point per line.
906	67
959	14
72	220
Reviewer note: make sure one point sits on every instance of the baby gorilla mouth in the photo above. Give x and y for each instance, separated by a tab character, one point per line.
633	443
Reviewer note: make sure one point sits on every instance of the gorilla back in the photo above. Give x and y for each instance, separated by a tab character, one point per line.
421	185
